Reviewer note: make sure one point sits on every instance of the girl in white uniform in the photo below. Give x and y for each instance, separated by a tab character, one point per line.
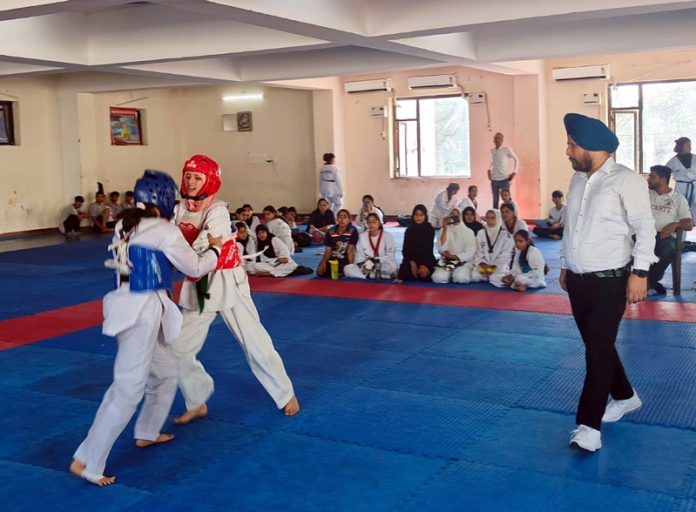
330	187
445	201
528	265
143	318
374	245
457	249
683	166
493	251
246	245
278	227
225	292
275	260
511	222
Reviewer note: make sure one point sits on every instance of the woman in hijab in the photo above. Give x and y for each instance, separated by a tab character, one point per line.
683	167
494	251
275	260
457	248
419	259
444	202
470	220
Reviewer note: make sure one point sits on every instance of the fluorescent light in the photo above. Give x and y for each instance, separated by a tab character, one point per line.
241	97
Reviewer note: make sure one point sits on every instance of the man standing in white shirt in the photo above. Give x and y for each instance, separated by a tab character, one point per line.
499	171
671	212
602	268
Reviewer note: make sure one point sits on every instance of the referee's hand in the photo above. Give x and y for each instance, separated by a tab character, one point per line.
637	289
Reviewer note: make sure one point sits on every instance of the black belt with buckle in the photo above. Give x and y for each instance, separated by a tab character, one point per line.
614	272
124	279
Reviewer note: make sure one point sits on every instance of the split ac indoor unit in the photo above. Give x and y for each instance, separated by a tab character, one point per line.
432	82
383	84
598	72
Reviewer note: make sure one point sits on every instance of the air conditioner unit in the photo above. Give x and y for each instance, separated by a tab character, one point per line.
599	72
383	84
432	82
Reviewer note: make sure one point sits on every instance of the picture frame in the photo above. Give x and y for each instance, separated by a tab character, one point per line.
125	126
244	122
7	129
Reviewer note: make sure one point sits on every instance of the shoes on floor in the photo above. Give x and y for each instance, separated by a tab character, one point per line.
616	409
586	438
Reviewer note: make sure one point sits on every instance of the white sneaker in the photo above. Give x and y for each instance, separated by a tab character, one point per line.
616	409
586	438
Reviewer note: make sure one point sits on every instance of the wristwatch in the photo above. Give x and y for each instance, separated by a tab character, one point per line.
639	273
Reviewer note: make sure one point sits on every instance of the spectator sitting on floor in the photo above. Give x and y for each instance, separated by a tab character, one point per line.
552	227
470	200
246	245
457	249
419	259
375	254
275	260
510	220
470	220
251	220
115	207
444	202
320	220
300	238
100	214
71	216
671	212
494	251
368	207
278	227
528	266
341	241
129	202
506	197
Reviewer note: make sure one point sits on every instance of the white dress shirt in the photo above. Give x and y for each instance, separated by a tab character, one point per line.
499	163
604	211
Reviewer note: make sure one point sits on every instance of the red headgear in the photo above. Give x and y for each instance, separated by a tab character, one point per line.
204	165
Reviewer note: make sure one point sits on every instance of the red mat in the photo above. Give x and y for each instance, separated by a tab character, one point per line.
49	324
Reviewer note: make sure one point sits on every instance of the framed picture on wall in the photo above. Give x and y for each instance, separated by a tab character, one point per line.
6	124
244	122
125	127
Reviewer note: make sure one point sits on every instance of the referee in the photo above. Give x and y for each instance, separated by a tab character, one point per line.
602	268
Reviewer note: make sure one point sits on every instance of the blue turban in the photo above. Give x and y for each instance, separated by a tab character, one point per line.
590	134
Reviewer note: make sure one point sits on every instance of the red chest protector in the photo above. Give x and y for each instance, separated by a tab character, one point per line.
229	257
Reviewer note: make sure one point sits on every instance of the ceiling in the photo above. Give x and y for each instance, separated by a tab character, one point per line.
213	41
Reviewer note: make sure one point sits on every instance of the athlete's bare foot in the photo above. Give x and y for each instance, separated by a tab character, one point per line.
193	414
292	407
521	288
77	468
162	438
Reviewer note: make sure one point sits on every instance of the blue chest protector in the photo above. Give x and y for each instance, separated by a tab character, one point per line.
151	269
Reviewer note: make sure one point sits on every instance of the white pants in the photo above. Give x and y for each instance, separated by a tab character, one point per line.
243	321
143	366
496	278
353	270
460	274
282	270
530	282
335	202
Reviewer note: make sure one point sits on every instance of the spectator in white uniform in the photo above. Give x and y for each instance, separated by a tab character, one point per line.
375	254
671	212
528	266
683	167
330	187
511	222
457	249
246	245
278	227
552	226
368	207
602	268
470	199
499	168
444	202
494	247
275	260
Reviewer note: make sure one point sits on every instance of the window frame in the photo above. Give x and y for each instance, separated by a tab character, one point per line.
7	108
395	138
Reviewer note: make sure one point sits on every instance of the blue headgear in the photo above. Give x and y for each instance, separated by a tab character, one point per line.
157	188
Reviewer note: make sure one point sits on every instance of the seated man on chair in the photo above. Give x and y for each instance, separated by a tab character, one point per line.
671	212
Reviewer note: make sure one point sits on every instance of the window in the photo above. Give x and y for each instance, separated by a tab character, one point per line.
648	117
431	137
7	131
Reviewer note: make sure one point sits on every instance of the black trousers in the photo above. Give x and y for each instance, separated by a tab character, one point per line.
664	249
72	223
598	305
543	229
